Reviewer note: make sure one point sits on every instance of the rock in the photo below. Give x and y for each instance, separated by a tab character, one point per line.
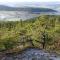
30	54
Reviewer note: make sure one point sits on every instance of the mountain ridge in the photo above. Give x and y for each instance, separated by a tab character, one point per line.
29	9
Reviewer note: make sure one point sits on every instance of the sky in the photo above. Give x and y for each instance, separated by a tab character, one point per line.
17	2
4	1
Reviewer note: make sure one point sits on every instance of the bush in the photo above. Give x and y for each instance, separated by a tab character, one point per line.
9	44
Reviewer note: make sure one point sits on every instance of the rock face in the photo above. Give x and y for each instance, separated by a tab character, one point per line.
30	54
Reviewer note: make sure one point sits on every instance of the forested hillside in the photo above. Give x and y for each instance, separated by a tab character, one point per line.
42	32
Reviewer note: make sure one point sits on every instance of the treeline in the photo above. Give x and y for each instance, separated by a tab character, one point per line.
41	32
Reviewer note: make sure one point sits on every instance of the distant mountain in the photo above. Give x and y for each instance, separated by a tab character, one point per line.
6	8
35	9
28	9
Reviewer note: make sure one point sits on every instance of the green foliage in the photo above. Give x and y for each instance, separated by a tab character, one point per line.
43	30
9	44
